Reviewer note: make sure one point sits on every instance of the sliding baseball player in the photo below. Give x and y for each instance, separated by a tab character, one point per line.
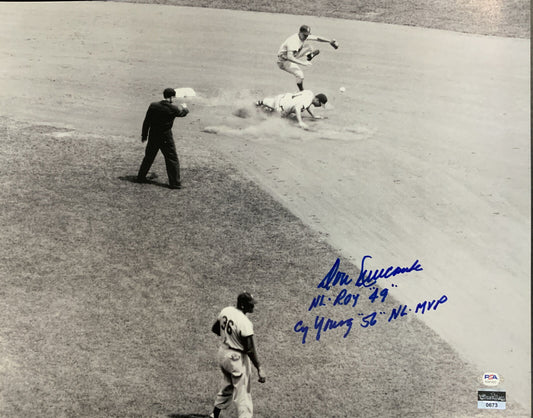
287	104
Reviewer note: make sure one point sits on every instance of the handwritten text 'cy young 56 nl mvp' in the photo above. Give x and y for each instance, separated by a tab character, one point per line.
323	324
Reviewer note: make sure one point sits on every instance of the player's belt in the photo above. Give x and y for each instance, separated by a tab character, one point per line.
234	349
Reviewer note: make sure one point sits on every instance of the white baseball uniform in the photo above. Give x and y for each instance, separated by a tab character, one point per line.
294	47
287	103
234	362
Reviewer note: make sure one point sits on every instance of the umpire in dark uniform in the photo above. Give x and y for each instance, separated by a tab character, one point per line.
157	129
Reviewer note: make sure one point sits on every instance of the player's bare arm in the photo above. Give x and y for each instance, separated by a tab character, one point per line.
332	41
249	349
318	39
298	113
312	114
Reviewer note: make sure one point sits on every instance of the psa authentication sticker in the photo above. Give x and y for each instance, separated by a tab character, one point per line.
490	379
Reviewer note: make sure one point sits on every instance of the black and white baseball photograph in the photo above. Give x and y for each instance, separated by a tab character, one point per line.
270	209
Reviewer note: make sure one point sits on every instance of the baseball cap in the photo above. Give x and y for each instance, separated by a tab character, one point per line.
245	298
169	92
305	29
322	98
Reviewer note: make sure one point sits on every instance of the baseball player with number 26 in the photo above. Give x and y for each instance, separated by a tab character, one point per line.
234	356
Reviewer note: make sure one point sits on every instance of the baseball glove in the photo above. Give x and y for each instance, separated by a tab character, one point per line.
334	44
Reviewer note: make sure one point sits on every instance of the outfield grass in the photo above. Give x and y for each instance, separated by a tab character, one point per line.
486	17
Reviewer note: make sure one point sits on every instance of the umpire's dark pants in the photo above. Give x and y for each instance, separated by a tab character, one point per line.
165	143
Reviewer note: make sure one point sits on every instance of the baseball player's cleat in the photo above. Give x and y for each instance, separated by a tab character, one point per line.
259	103
313	54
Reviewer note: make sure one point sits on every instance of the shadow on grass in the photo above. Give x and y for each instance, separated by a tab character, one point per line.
150	179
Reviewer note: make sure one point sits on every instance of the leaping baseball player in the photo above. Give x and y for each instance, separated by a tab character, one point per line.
288	104
234	356
295	52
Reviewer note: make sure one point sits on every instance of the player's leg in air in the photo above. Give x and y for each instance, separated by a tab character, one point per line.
295	70
307	53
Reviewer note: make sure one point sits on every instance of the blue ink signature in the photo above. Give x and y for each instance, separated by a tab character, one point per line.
371	279
366	278
334	277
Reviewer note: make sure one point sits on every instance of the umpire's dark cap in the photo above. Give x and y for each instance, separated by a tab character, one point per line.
169	92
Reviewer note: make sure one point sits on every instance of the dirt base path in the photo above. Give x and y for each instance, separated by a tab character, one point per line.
424	157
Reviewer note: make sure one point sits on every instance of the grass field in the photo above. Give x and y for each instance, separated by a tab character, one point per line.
486	17
110	287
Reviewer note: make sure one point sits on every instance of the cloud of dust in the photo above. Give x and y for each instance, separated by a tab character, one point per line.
236	99
259	126
236	115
